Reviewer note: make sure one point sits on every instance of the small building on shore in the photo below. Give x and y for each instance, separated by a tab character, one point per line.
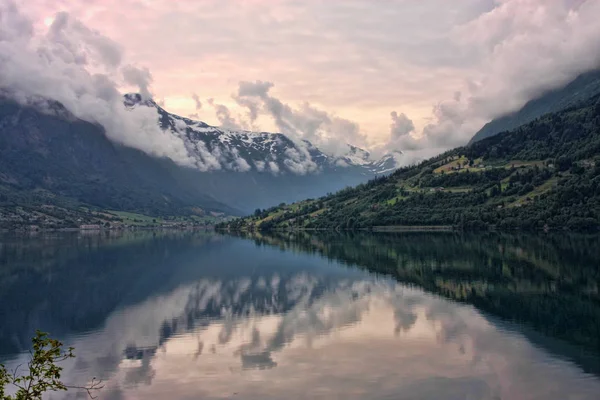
90	227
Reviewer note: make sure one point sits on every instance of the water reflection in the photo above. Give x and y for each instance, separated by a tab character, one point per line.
356	338
549	282
219	317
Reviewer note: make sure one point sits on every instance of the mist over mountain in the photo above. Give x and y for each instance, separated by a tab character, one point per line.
212	148
60	70
49	157
249	170
584	87
543	175
54	158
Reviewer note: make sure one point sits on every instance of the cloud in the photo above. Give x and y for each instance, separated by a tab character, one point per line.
299	160
525	48
357	60
328	132
139	77
402	130
401	125
240	164
260	165
352	65
80	68
91	43
14	26
226	120
273	167
209	160
86	71
197	101
258	88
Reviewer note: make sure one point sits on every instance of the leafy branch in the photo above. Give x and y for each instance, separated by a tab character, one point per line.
43	372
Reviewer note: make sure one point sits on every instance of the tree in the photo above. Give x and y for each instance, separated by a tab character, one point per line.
43	374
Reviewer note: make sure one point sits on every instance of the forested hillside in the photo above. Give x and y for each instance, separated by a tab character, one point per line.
543	175
56	169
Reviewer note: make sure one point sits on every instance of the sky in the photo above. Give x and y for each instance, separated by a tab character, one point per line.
412	75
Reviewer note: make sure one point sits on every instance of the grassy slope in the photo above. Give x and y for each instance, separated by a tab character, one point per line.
543	174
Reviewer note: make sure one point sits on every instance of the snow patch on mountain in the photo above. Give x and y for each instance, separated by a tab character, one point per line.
214	148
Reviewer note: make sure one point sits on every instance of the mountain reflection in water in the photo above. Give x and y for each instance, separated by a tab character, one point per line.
190	316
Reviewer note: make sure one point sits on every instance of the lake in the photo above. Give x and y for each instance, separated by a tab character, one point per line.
200	315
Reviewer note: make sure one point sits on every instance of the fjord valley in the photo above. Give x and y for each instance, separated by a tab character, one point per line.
543	175
61	172
58	171
259	200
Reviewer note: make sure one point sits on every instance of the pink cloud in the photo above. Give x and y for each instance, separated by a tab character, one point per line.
354	58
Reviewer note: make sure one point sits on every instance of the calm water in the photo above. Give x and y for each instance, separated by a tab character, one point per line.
407	316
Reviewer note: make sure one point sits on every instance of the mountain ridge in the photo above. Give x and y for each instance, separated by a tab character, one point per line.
576	92
51	167
241	150
60	171
542	175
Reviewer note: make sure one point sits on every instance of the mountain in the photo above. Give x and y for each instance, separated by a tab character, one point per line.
60	163
250	170
584	87
542	175
57	170
217	149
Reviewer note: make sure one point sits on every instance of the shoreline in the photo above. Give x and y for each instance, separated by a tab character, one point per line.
414	228
407	228
103	230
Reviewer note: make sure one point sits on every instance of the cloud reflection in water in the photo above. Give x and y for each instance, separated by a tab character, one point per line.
305	336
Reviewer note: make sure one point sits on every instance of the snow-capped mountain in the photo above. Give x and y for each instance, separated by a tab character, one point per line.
387	164
217	149
50	156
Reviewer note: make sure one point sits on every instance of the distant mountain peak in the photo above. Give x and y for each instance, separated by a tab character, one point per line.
388	162
217	148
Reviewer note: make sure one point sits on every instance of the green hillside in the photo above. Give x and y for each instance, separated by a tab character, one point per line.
60	172
543	175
